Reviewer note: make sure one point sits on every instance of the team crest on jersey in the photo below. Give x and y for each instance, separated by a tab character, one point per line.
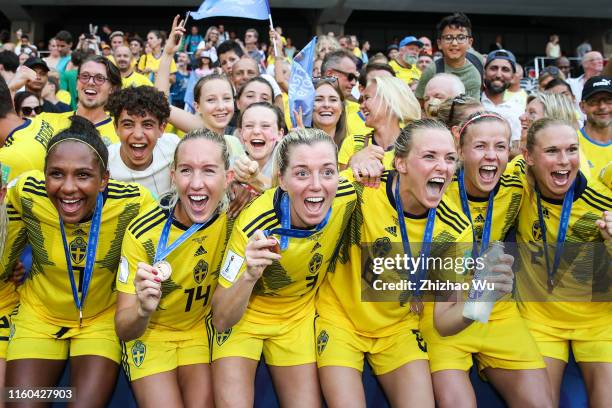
392	230
78	249
322	340
479	218
200	271
382	246
315	263
201	251
139	350
223	336
536	231
315	247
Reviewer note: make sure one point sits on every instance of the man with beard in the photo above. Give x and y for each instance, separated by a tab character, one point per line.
405	63
124	61
499	71
596	135
97	78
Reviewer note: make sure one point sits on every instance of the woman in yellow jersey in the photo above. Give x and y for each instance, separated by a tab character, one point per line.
171	257
265	298
74	218
357	317
563	281
97	79
387	102
261	127
491	201
9	299
148	64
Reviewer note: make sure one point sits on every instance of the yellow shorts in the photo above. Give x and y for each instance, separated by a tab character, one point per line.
589	345
505	343
284	344
148	356
32	337
337	346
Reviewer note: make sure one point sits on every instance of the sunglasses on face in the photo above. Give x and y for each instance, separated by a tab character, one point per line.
350	76
26	110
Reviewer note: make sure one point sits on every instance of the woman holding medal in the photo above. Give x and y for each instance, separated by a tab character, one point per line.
171	257
563	223
385	327
74	218
265	298
490	200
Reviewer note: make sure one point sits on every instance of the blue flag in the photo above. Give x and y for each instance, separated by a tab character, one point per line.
189	97
301	88
255	9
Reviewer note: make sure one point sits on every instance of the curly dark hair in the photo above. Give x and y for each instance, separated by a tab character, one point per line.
139	100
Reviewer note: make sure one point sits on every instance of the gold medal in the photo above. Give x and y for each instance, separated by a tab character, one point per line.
164	269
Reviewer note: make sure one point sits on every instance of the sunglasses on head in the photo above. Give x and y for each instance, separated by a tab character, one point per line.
26	110
329	79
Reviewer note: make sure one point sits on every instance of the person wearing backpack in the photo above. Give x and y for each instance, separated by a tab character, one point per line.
454	40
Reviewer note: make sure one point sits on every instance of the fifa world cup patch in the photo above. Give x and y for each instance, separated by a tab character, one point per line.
232	265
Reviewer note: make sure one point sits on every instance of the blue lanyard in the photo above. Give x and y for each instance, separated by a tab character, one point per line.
486	230
427	237
162	252
286	231
90	258
566	209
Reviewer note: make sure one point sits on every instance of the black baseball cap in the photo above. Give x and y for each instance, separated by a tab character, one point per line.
596	85
36	62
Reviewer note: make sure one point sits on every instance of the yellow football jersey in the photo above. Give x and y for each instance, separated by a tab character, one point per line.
578	274
14	243
186	296
287	288
408	75
597	155
508	196
375	224
355	121
135	79
353	144
47	289
61	121
148	61
26	146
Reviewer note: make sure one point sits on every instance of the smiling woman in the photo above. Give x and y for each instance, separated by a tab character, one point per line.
562	206
76	204
159	257
265	298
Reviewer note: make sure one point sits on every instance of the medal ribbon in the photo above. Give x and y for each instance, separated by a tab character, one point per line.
566	209
286	231
90	258
486	230
427	237
162	252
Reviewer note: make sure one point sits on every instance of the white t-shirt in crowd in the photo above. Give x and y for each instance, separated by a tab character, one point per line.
156	177
510	110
